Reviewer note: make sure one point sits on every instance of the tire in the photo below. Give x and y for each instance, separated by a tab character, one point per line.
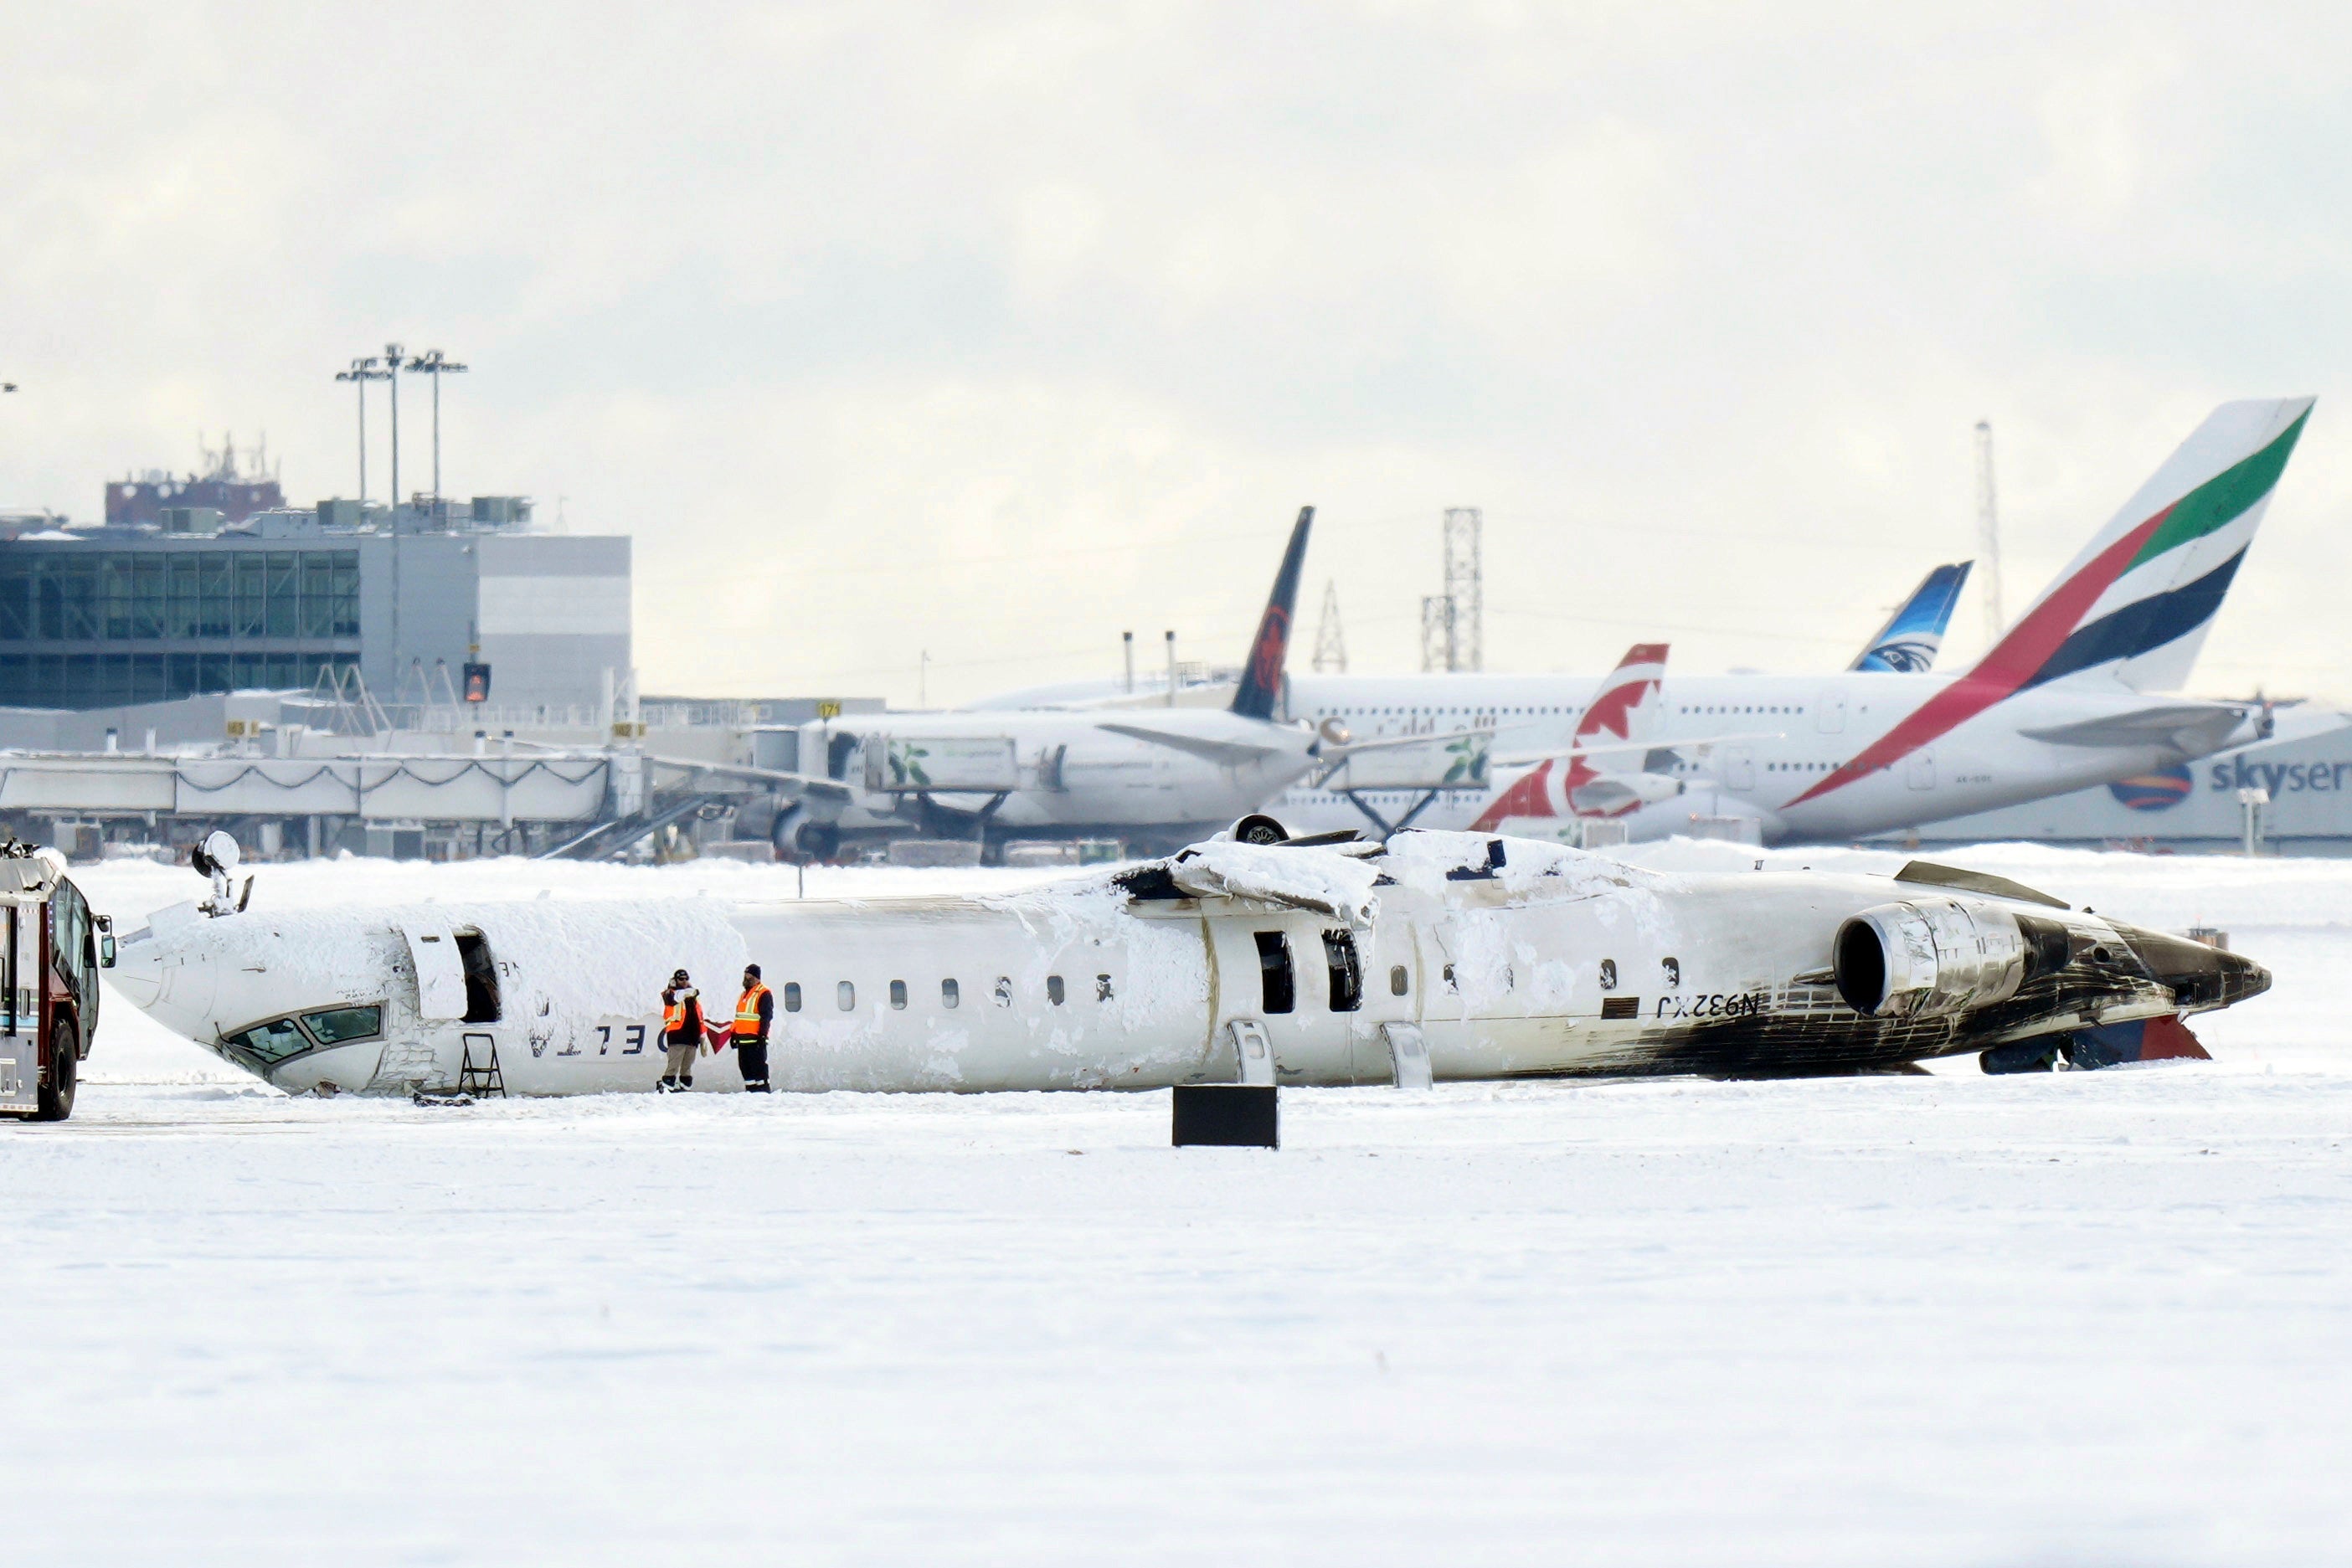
57	1096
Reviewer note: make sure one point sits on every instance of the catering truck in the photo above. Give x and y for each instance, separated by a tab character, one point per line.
51	949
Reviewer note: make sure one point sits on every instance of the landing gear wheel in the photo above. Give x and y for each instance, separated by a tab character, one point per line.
57	1097
818	840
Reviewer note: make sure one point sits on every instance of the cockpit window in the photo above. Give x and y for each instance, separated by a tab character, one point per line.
337	1025
273	1041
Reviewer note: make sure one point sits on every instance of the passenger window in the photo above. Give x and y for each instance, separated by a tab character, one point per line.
899	994
1004	990
950	994
1399	982
1053	989
791	996
1608	974
1450	984
1279	990
1674	971
1347	980
847	994
1102	987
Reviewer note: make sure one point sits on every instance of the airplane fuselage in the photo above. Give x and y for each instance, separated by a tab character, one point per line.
1509	959
1800	730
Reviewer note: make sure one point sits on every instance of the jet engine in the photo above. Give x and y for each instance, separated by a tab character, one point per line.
1932	957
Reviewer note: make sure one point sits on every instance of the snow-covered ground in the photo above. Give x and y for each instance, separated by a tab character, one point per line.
2065	1318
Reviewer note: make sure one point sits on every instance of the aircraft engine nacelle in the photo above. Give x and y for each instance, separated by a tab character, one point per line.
1933	957
1610	794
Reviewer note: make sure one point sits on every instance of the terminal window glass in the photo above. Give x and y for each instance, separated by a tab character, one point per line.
337	1025
791	996
273	1041
847	994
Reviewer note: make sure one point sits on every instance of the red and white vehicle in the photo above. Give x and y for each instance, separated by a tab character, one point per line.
51	949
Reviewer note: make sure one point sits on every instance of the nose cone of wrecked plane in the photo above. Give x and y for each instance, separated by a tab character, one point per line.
2199	977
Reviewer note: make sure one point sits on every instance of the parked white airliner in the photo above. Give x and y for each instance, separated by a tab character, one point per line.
2071	697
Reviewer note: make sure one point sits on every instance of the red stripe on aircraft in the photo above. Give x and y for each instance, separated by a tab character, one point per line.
2012	661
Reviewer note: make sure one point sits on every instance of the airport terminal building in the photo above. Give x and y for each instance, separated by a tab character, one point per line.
121	615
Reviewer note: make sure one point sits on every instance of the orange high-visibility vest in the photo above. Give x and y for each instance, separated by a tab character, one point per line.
747	1013
673	1017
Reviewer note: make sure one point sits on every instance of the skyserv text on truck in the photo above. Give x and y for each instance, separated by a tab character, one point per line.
51	949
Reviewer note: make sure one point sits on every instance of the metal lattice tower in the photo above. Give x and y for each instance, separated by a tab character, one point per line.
1330	642
1452	625
1988	536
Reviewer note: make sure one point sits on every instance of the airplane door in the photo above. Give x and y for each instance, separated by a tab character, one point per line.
1828	713
1739	768
1920	772
440	973
1273	975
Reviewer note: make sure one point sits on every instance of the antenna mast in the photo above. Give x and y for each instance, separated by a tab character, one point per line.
1330	642
1988	536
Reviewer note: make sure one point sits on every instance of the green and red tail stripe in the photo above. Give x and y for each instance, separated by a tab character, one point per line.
2058	637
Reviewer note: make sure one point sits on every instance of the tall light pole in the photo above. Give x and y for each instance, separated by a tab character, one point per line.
431	363
361	373
392	366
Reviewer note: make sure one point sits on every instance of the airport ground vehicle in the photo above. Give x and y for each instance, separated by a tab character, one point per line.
51	948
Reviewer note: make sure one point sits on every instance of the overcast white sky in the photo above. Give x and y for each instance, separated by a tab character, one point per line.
992	331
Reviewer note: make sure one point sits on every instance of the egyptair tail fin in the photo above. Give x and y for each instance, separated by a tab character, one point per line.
1261	683
1914	634
2139	599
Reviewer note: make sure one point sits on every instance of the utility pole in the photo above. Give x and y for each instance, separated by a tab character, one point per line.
1988	536
392	364
361	373
1330	642
431	363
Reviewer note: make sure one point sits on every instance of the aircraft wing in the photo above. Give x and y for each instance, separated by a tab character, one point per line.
1391	742
1225	753
1695	742
2196	726
795	785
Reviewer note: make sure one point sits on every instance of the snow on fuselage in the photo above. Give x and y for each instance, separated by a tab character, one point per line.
1553	962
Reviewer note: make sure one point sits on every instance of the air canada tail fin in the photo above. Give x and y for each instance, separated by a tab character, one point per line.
1262	675
1626	703
2140	598
1914	634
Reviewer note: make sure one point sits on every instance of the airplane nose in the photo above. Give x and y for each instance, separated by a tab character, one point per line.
2197	975
138	974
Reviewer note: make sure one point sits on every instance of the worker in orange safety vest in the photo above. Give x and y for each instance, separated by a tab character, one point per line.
681	1033
755	1013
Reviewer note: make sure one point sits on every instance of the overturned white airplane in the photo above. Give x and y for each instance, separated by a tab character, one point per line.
1452	956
